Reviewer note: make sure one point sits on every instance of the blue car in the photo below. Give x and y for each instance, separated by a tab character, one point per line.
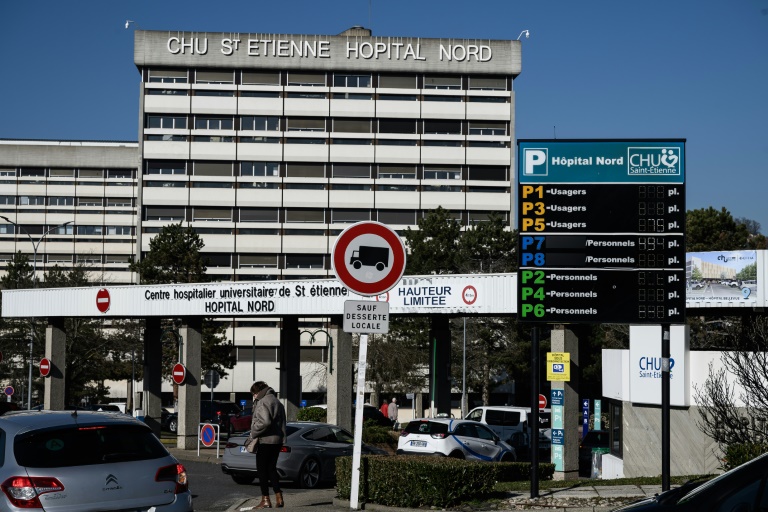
447	437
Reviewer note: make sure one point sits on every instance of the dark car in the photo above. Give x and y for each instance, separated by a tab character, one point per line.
739	490
8	407
240	422
216	411
593	439
371	413
308	456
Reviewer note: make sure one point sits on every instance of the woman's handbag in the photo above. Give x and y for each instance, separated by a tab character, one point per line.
252	444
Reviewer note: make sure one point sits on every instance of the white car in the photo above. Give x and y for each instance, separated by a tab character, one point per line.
447	437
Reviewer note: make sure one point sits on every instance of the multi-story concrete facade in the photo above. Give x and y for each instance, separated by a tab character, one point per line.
270	145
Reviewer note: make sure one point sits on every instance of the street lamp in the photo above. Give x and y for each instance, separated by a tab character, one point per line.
35	247
330	344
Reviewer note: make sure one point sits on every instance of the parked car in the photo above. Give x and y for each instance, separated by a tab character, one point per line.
593	439
8	407
370	412
308	456
740	489
240	422
511	424
461	439
216	411
87	461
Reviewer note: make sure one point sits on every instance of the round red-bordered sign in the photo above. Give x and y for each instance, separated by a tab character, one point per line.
542	401
368	258
45	367
179	373
207	435
469	295
102	300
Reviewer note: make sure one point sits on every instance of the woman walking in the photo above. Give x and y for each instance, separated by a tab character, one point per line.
268	429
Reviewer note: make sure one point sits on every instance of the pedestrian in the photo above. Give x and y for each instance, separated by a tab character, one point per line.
392	413
384	409
268	428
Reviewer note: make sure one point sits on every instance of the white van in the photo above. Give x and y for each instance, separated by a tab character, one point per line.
510	423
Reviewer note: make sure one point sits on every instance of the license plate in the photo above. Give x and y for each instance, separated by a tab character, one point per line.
419	443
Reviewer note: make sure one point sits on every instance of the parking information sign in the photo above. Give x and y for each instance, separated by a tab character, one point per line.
601	231
361	316
559	366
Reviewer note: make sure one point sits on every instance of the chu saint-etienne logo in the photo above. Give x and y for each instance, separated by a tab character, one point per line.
535	161
653	161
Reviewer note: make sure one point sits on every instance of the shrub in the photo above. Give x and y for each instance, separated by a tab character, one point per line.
738	454
312	414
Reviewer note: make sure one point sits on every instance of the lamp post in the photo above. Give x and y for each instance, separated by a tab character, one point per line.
35	247
330	344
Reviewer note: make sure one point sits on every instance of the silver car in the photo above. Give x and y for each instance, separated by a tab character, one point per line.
307	458
87	461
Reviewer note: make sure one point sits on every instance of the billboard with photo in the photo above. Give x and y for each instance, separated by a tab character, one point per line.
725	279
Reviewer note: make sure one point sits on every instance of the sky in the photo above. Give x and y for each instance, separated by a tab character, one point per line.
656	69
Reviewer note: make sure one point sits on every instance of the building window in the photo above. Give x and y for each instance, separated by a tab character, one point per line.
258	261
117	258
212	214
167	122
212	184
396	188
12	199
169	184
259	215
307	95
31	200
351	96
445	99
615	432
397	171
90	230
443	143
304	186
214	77
305	171
259	140
344	80
166	92
442	82
166	168
440	188
259	94
478	217
90	201
442	127
305	124
307	79
352	142
258	354
407	217
348	216
488	190
352	125
487	173
62	230
398	97
168	76
33	172
166	137
212	138
119	230
119	202
258	184
304	215
442	173
90	173
213	123
397	126
120	173
218	259
8	172
487	128
351	171
260	123
261	78
212	169
259	169
491	83
397	81
61	173
488	99
216	93
304	261
164	213
396	142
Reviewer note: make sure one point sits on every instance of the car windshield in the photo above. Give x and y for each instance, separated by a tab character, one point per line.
426	427
85	445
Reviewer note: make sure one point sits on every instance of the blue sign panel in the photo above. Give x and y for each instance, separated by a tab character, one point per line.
558	436
556	397
584	417
303	403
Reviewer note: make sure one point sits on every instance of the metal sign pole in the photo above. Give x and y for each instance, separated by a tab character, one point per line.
359	404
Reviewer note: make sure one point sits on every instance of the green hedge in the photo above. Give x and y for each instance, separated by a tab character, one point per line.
416	481
372	433
738	454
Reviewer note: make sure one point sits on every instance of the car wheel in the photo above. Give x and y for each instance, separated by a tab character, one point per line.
172	425
456	455
309	476
242	479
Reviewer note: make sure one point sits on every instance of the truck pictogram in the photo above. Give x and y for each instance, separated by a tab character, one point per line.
371	257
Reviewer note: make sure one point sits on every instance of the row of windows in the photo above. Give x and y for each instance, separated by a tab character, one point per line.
453	98
335	186
69	229
322	124
43	172
271	354
301	170
302	215
119	202
67	259
323	141
331	79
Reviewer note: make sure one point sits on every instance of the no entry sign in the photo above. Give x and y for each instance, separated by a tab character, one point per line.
102	300
179	373
45	367
369	258
542	401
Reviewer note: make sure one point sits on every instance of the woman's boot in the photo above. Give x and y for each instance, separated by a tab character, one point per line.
279	499
265	503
